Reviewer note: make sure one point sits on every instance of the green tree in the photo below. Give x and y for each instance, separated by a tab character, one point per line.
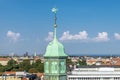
2	68
8	68
40	68
11	65
83	62
11	62
38	65
68	61
33	70
25	65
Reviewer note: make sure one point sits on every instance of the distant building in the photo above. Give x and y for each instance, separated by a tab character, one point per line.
103	61
115	61
9	76
4	61
20	76
21	59
95	73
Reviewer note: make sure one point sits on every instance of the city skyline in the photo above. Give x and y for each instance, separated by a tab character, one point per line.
84	27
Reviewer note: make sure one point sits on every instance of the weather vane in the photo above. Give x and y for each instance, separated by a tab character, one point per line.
54	10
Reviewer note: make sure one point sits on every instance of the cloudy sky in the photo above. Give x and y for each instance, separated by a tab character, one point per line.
85	27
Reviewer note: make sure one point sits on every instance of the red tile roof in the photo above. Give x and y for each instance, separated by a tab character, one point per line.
39	74
10	72
4	59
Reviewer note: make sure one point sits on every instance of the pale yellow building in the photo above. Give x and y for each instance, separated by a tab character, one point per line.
4	61
10	78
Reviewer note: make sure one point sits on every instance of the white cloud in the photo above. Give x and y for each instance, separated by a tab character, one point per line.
117	36
102	37
13	36
50	36
80	36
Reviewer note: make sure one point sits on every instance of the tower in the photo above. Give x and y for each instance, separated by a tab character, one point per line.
55	58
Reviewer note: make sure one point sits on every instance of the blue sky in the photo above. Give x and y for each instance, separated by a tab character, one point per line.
85	27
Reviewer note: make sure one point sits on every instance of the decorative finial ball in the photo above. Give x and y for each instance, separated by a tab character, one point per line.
54	10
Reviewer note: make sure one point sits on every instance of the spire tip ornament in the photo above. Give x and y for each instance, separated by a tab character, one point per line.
54	10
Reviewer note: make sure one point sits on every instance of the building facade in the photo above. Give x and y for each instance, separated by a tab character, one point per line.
4	61
95	73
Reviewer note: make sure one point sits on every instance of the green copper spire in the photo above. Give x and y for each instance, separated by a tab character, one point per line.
55	48
55	58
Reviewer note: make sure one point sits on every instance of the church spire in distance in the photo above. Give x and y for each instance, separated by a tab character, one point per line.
54	10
